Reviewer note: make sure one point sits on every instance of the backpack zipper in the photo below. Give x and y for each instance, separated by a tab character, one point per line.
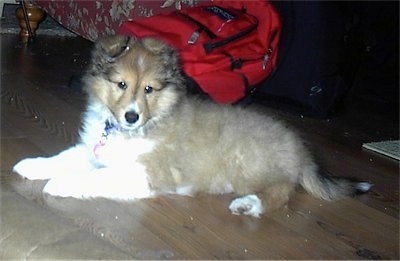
270	49
196	34
237	63
209	47
266	58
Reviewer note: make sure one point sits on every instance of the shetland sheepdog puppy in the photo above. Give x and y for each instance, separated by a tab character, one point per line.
143	136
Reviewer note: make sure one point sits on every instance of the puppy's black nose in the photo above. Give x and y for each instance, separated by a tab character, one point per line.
131	117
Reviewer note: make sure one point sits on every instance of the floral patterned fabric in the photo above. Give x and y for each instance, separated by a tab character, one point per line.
92	19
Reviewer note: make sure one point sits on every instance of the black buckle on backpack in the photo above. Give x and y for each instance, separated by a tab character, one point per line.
236	64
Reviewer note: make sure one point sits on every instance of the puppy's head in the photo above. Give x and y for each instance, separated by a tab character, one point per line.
139	81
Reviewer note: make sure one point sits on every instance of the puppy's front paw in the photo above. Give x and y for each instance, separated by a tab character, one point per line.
34	168
250	205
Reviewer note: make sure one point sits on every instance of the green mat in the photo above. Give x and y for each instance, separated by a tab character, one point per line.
390	148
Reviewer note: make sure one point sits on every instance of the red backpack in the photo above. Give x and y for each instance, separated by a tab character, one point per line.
226	48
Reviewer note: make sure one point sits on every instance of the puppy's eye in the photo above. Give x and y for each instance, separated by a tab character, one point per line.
148	89
122	85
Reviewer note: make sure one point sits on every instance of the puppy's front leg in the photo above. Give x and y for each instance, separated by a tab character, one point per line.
74	160
121	183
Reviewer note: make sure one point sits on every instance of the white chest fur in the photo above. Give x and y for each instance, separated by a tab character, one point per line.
110	146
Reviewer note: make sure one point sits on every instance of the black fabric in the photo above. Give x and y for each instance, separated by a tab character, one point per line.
335	50
307	78
373	50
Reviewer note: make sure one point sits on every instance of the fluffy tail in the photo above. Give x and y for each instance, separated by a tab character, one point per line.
331	188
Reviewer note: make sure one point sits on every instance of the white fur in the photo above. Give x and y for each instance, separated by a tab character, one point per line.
77	172
70	161
114	183
184	190
249	205
364	186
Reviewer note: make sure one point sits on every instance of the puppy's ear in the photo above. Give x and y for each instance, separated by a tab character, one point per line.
156	46
169	58
163	50
109	48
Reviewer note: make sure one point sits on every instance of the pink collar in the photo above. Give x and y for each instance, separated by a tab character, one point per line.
108	129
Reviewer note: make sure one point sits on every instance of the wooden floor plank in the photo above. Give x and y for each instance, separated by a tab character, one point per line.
371	231
31	112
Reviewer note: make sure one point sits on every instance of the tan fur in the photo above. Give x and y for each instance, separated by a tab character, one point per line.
207	147
210	146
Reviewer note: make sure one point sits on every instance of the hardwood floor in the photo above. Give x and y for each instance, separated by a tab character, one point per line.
40	116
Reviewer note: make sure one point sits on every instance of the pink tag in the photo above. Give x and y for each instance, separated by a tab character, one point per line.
97	149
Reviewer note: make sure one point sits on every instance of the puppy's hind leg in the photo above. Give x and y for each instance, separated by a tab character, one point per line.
277	195
273	197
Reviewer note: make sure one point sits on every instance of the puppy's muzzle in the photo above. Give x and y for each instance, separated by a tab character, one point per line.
131	117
